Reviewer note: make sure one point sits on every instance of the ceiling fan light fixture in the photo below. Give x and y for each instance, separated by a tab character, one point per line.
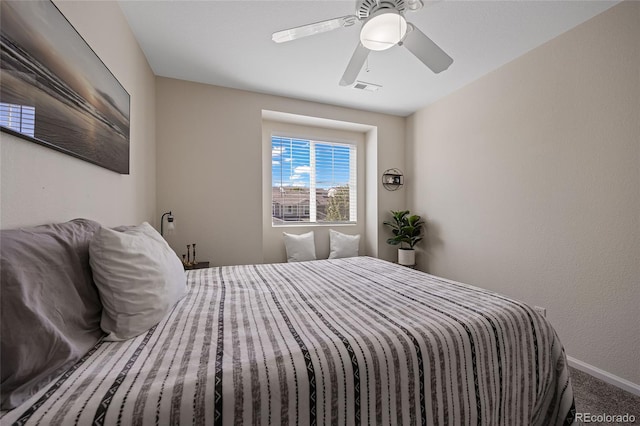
383	30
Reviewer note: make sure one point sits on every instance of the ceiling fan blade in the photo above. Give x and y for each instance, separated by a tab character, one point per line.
355	65
315	28
426	50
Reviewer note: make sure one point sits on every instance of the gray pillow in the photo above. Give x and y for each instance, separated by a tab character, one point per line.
139	278
301	247
343	245
50	305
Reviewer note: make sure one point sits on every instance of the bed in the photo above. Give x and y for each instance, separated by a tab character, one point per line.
355	341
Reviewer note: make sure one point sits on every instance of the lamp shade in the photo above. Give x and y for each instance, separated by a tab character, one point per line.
383	30
171	226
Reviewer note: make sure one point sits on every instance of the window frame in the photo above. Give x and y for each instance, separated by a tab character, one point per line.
354	199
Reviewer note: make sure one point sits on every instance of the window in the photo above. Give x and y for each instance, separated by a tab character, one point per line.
312	181
19	118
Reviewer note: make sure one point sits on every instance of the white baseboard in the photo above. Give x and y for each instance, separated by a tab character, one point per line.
604	376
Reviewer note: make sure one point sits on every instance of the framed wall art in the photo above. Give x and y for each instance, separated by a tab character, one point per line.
55	91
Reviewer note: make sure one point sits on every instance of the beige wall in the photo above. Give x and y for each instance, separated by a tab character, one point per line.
40	185
530	179
210	167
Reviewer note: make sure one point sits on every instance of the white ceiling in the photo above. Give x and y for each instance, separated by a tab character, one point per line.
228	43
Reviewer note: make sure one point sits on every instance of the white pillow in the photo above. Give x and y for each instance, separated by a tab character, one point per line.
139	278
300	247
343	245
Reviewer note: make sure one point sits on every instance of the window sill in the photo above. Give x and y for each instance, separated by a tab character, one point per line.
313	225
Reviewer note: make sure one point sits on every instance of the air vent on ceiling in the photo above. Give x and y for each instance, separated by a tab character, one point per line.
363	85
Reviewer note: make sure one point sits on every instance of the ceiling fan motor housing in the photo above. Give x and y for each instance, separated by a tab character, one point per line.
366	8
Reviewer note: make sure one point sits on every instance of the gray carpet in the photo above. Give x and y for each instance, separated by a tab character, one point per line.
597	397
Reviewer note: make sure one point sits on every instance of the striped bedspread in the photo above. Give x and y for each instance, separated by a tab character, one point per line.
332	342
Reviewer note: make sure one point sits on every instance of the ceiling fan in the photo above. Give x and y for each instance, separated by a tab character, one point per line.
384	26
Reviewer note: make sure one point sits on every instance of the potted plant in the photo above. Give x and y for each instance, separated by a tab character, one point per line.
407	229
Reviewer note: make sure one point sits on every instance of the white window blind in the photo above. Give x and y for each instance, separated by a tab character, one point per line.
19	118
313	181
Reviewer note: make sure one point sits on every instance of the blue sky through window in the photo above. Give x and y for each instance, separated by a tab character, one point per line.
291	161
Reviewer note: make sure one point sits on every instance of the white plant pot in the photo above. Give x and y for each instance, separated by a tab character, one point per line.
406	257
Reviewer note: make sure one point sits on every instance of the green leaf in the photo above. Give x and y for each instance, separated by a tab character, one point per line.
406	228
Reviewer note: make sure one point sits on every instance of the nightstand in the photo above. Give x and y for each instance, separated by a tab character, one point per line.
199	265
